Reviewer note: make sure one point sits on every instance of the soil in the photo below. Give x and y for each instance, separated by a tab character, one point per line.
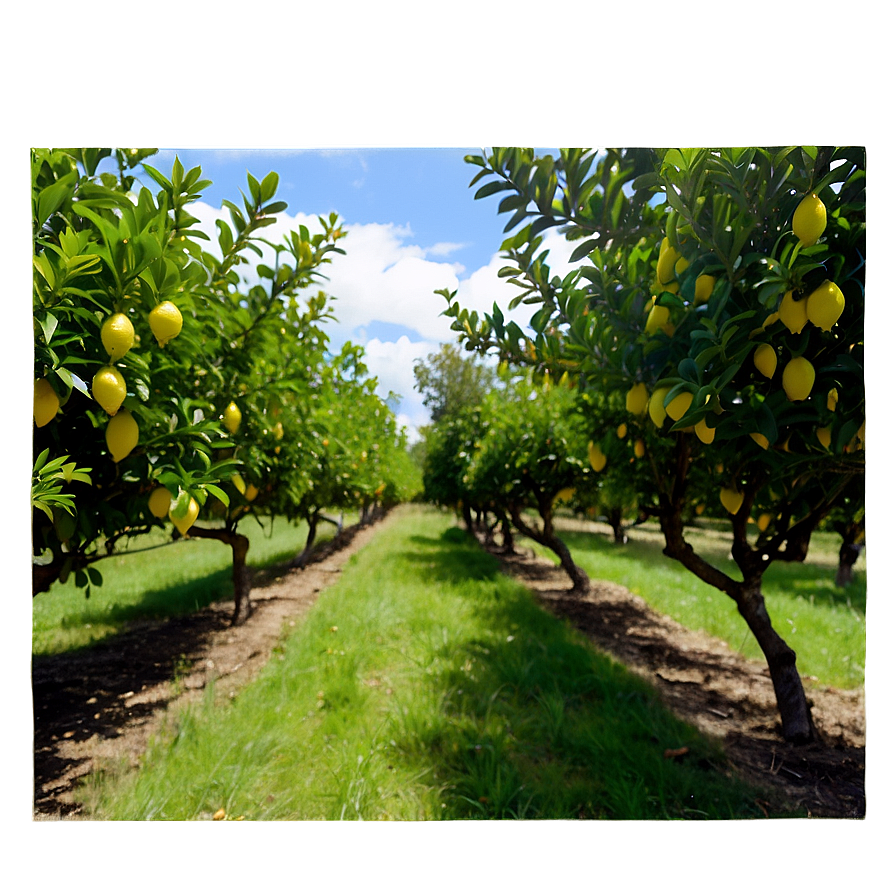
103	704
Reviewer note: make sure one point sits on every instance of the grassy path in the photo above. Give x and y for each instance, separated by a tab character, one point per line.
426	685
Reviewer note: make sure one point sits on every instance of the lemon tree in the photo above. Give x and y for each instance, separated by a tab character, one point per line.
753	370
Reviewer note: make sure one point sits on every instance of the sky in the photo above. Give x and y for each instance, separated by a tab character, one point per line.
413	227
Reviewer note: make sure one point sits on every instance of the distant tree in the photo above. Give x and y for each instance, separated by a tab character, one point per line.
450	380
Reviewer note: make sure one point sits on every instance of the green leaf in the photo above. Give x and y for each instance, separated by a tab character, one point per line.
584	249
219	493
495	186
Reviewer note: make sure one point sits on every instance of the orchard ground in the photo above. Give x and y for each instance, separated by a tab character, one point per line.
94	708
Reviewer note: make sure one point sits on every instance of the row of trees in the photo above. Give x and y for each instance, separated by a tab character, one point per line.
714	316
167	386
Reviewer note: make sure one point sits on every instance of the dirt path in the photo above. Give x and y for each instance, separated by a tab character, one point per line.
104	703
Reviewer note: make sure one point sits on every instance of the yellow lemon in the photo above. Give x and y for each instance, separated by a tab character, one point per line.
232	417
160	502
774	317
636	399
122	434
765	360
621	431
596	457
238	483
764	521
681	266
810	220
759	439
165	321
705	433
185	520
703	287
278	430
640	448
679	405
825	305
109	389
798	378
823	434
731	500
117	334
792	313
665	266
655	408
46	402
658	318
699	509
565	494
251	492
833	398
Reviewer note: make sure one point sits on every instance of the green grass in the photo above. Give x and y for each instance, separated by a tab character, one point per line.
824	624
174	579
426	685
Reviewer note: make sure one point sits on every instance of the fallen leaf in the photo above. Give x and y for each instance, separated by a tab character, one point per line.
220	815
672	754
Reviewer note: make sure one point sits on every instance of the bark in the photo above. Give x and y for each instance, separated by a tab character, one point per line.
614	518
242	577
549	539
507	545
299	561
467	515
42	577
849	553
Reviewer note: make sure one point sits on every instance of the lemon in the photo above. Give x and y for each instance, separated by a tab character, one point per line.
565	494
825	305
165	321
278	430
238	483
640	448
793	313
679	405
699	509
117	334
681	266
833	398
665	266
658	318
731	500
823	434
703	287
810	220
655	408
773	318
109	389
251	492
705	433
764	521
46	402
759	439
122	434
765	360
596	457
160	502
798	378
183	522
621	431
232	417
636	399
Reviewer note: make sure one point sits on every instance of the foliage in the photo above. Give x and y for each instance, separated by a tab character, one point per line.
450	381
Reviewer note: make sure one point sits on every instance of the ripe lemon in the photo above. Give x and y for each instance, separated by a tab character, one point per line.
825	305
765	360
122	434
731	500
596	457
232	417
657	319
823	434
760	440
251	492
189	516
160	502
705	433
640	448
165	321
621	431
681	266
238	483
109	389
636	399
703	287
810	220
798	378
833	398
764	521
792	313
679	405
565	494
665	266
655	408
46	402
698	510
117	334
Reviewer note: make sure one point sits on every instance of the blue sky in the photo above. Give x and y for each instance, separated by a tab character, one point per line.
413	227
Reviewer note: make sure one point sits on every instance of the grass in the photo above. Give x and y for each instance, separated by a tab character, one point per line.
186	575
824	624
426	685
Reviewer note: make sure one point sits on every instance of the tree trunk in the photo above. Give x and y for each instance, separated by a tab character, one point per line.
614	518
507	545
467	515
849	553
547	538
796	719
299	561
242	577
